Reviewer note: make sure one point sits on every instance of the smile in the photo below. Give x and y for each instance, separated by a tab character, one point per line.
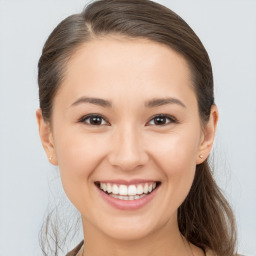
139	192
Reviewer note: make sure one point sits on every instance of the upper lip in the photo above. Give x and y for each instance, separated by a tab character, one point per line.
127	182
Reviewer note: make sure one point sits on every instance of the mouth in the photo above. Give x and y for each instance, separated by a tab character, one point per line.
128	192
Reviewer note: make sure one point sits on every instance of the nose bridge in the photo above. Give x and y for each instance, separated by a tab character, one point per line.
128	151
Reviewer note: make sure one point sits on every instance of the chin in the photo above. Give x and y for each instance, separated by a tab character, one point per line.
131	228
128	234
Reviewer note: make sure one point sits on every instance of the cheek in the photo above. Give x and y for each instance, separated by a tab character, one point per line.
176	157
177	152
78	153
78	156
177	160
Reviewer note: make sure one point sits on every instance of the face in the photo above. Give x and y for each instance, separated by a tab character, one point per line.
125	120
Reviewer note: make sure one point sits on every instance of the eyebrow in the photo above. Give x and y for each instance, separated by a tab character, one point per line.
150	104
163	101
95	101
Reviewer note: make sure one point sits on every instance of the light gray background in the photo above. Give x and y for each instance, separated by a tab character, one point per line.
228	31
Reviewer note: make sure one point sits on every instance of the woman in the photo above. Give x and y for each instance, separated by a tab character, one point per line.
127	113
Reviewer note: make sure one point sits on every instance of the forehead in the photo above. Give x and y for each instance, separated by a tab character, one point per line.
102	52
111	64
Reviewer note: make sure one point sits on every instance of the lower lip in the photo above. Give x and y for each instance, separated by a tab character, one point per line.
127	204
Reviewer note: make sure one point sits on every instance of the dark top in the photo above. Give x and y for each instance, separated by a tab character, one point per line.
78	247
75	250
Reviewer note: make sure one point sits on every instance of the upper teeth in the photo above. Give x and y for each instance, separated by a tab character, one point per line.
130	190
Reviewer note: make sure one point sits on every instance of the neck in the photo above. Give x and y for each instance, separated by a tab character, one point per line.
166	241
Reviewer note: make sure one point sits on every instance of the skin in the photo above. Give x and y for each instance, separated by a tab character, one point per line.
128	143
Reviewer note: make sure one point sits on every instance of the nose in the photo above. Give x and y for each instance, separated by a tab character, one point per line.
127	149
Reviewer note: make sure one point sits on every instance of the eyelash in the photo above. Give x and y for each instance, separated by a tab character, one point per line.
164	116
90	116
100	118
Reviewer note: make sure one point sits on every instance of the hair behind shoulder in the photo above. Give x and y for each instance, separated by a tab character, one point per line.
205	217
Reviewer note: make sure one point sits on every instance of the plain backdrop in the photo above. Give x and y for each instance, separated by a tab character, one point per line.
228	31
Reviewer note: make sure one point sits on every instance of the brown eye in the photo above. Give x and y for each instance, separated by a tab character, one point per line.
94	120
161	120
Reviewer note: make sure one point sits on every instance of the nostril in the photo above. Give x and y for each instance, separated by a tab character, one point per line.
128	156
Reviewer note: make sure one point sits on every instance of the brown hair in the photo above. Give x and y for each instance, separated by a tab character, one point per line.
205	217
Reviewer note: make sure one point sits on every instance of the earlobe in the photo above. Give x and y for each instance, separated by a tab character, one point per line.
46	137
208	135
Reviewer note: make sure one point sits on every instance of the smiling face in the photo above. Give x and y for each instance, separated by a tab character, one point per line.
126	117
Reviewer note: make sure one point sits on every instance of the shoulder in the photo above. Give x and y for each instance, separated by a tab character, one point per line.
79	246
76	249
211	253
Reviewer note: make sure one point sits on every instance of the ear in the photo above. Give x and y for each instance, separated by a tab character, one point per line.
46	136
208	135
